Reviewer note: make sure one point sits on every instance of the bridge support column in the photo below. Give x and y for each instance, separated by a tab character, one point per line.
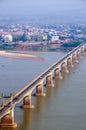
69	63
74	58
79	55
27	102
64	68
82	51
58	74
8	120
85	48
49	81
39	90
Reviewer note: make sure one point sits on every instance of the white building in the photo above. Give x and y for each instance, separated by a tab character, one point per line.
8	38
54	38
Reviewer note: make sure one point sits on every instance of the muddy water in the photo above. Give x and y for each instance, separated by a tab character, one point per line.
63	108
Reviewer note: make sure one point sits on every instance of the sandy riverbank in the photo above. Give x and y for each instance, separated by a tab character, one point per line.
15	54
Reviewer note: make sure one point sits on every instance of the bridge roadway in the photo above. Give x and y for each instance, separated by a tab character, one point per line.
20	95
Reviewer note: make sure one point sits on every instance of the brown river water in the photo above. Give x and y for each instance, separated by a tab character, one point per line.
63	108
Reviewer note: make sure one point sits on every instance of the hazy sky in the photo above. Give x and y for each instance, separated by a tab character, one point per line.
35	8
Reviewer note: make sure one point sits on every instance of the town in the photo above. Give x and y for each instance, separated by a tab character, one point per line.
20	36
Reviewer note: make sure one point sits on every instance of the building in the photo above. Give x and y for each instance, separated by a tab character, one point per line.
54	38
7	38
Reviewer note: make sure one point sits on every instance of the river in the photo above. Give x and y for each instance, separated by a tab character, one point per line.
63	108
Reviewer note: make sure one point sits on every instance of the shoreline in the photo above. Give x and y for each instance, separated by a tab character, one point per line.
16	54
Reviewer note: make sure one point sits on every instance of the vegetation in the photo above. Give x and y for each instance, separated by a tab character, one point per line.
17	38
73	43
6	47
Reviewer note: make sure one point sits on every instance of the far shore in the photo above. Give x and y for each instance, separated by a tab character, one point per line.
17	54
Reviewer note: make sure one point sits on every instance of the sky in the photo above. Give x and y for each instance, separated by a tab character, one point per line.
43	8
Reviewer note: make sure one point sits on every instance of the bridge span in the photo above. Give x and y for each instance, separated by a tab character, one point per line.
45	78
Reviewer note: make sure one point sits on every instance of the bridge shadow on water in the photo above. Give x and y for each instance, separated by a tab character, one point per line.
27	120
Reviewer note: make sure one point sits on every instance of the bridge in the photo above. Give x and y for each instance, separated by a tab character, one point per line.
45	78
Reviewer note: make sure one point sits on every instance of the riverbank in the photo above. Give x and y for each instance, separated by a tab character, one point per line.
15	54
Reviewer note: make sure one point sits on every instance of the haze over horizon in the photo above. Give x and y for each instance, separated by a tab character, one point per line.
54	9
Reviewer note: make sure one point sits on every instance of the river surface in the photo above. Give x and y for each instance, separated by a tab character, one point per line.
63	108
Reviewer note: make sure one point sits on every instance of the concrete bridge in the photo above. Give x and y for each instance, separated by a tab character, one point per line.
46	78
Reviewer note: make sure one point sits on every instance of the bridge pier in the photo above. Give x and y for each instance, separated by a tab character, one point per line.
39	90
58	74
82	51
85	48
7	121
74	58
79	55
49	81
27	102
64	68
69	62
